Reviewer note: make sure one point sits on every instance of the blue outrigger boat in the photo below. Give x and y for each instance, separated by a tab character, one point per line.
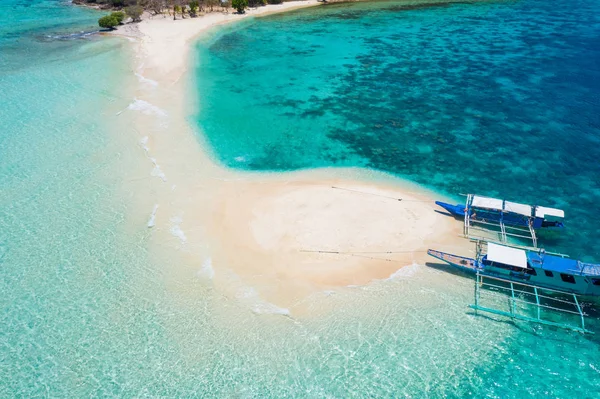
485	215
522	272
536	268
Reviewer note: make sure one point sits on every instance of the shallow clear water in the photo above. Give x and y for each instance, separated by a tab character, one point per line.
497	98
89	309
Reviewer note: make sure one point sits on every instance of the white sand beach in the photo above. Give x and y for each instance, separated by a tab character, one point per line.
284	235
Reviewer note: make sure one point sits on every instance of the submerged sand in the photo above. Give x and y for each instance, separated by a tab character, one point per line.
279	237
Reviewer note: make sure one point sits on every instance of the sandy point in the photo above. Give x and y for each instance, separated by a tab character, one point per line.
299	233
266	238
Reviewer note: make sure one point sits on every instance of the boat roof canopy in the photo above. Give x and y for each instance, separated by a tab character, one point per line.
496	204
500	205
486	202
515	207
507	255
542	212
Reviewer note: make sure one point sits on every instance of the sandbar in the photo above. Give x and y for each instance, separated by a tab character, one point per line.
279	236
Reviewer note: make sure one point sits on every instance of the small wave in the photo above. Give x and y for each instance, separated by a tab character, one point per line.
259	305
151	220
269	308
144	143
70	36
146	108
144	79
157	171
403	272
176	229
206	271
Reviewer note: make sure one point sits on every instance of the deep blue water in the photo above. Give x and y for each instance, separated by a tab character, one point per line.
496	98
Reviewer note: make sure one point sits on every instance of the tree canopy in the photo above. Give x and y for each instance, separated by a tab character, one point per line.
135	12
108	22
239	5
119	15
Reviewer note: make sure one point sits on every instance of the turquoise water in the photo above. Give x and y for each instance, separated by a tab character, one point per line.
498	98
89	309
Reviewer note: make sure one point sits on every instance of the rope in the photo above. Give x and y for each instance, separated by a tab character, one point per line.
379	195
358	254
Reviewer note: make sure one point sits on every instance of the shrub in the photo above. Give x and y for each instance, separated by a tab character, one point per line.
239	5
135	13
275	1
119	16
117	3
108	22
257	3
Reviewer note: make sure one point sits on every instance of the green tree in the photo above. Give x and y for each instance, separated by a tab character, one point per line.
194	7
239	5
135	13
108	22
119	16
176	9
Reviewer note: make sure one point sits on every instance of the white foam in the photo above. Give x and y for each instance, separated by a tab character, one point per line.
177	232
240	159
176	229
146	108
144	79
404	272
151	220
144	143
269	308
157	171
206	271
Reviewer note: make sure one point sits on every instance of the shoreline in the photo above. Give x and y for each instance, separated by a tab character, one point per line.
170	53
250	234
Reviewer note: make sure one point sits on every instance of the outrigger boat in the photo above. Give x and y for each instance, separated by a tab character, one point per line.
535	268
535	281
504	218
